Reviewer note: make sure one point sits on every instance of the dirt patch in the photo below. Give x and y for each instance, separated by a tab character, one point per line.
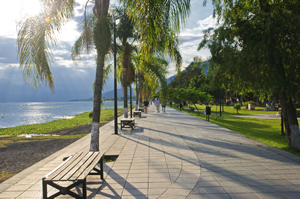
16	157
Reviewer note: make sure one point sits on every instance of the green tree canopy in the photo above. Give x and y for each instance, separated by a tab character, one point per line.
256	48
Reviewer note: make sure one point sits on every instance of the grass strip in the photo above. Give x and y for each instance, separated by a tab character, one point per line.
263	130
229	110
48	127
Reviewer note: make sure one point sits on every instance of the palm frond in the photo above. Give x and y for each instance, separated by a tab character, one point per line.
85	42
36	36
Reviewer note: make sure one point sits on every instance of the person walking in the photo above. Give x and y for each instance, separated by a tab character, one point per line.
163	106
157	104
146	104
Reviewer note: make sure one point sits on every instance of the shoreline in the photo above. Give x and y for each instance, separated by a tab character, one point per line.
19	153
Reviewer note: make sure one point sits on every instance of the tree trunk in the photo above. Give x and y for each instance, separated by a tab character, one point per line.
100	10
130	101
125	103
94	145
290	121
137	94
140	88
196	108
125	91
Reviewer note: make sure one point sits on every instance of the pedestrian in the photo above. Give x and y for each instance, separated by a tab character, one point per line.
157	104
146	104
163	106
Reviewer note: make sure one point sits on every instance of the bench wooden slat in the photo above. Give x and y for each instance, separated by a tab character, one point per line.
91	166
62	167
68	168
71	172
83	167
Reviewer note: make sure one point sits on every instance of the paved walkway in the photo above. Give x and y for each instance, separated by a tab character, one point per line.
174	155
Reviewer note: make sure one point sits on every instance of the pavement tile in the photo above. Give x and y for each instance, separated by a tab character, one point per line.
177	192
136	185
237	189
135	192
293	195
10	194
292	188
271	177
231	183
243	196
279	182
156	191
272	195
194	196
154	185
19	187
134	197
205	190
263	188
216	196
31	194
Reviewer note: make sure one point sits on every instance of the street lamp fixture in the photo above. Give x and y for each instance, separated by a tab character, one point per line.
115	79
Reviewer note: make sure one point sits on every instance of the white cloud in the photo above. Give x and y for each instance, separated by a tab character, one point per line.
204	24
69	32
14	65
189	41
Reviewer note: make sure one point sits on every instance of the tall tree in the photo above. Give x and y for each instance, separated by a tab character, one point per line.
125	33
37	34
96	31
157	23
257	48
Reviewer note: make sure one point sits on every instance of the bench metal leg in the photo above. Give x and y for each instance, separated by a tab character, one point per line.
101	167
84	189
99	171
64	190
45	194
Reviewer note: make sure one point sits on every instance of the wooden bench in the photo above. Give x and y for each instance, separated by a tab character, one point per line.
127	122
138	113
75	169
141	109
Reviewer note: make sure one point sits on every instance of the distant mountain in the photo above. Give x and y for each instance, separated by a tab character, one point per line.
205	72
109	94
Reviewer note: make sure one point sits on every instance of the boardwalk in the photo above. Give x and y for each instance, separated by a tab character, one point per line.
175	155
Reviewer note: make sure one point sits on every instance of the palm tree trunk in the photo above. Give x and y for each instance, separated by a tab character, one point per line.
125	99
94	144
140	88
100	10
137	94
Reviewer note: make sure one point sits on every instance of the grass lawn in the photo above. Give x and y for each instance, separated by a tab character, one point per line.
228	110
266	131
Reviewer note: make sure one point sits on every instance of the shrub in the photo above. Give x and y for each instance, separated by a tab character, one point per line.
211	103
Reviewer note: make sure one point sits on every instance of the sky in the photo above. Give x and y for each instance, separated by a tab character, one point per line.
74	81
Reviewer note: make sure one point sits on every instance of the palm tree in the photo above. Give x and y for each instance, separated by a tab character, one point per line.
96	31
125	32
158	22
151	74
37	34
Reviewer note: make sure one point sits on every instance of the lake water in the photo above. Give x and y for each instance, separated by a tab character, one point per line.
17	114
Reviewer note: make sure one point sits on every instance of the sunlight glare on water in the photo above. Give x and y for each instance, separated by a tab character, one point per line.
17	114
